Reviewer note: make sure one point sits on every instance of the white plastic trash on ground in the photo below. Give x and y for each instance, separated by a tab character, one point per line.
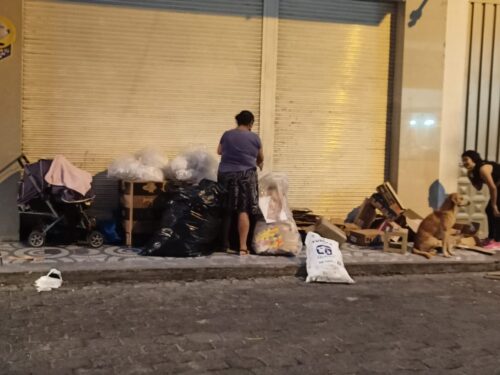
324	261
52	280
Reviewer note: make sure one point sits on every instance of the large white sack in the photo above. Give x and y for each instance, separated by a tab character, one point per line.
324	261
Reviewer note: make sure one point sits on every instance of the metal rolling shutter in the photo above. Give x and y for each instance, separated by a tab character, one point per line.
333	87
104	78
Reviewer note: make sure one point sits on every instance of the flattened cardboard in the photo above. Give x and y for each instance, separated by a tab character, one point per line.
493	275
470	241
411	220
338	222
328	230
477	249
348	227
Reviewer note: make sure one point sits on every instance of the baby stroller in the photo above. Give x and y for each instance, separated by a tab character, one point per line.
45	208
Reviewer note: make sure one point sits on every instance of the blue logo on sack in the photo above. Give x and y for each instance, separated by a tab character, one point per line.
324	250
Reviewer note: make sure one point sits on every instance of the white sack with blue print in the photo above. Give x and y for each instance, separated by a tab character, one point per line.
324	261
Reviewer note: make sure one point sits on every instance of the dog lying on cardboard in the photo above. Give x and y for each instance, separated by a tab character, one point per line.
437	228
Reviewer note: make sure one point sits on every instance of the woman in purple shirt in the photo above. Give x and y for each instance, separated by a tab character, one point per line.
241	154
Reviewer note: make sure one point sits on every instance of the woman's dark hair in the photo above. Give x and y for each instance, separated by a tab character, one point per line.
473	155
474	176
244	118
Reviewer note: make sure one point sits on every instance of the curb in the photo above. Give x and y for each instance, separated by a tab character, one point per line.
148	274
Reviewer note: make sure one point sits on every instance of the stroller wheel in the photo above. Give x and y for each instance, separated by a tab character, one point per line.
36	238
95	239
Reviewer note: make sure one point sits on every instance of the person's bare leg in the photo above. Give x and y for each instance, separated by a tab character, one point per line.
226	225
243	229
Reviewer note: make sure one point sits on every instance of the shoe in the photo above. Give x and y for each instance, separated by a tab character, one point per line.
493	245
231	251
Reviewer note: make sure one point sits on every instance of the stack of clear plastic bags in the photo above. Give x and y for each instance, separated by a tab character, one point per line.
147	164
193	165
277	233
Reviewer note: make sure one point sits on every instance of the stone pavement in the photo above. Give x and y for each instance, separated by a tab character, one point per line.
432	324
114	263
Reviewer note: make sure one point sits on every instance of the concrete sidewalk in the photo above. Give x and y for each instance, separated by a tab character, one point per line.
79	264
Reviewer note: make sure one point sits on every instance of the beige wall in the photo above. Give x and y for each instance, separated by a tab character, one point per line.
10	88
433	77
10	122
454	92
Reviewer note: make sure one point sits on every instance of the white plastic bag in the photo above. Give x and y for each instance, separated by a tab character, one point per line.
145	165
52	280
324	261
273	203
278	234
280	238
193	165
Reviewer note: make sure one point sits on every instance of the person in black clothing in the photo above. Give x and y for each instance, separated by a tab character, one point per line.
481	171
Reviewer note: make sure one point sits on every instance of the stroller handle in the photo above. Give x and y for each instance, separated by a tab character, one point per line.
7	170
22	160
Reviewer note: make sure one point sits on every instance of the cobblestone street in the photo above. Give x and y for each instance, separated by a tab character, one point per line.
416	324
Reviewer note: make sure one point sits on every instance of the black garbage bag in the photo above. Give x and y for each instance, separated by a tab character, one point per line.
190	220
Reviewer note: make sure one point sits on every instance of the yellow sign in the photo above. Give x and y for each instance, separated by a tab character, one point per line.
7	37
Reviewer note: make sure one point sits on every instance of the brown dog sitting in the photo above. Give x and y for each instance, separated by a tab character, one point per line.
435	230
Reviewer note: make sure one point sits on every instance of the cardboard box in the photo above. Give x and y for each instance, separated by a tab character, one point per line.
411	220
380	204
136	200
304	217
396	241
348	227
338	222
364	237
389	226
391	198
328	230
366	214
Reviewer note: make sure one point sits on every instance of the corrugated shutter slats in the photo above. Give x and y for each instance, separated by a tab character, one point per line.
332	94
105	78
